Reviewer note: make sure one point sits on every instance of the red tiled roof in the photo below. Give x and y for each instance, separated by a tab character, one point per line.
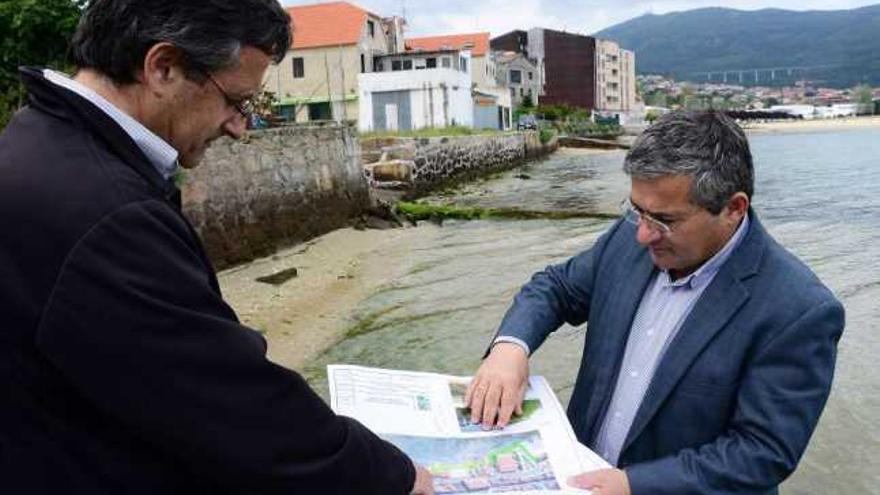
327	24
455	41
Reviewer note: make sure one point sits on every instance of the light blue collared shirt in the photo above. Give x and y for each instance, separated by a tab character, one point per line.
663	308
161	154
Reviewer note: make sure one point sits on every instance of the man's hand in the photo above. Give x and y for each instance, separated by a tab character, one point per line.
602	482
424	484
499	386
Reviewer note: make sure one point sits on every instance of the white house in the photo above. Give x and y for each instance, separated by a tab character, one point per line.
417	90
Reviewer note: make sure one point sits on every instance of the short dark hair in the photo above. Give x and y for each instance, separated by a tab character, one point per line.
707	146
114	36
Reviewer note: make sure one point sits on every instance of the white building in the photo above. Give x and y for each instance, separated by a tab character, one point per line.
417	90
492	102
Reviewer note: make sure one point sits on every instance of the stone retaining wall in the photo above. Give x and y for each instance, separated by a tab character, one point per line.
276	188
418	164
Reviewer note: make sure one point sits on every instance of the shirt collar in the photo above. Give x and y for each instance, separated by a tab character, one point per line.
161	154
706	272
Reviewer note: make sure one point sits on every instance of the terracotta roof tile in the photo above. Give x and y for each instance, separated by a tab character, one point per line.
456	41
327	24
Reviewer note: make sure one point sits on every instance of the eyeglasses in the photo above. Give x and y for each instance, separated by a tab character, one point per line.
244	106
634	215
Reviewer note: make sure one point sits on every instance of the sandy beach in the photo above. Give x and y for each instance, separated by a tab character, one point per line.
817	125
309	313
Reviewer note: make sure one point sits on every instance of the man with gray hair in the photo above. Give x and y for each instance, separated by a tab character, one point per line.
122	370
710	350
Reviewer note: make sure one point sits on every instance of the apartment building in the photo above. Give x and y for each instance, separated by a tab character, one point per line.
332	44
616	78
577	70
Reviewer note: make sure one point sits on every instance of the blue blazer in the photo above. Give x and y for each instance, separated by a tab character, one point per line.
740	389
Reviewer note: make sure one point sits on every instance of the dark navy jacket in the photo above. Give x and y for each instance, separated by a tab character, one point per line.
122	370
739	390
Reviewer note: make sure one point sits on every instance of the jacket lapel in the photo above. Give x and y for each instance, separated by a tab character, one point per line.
719	303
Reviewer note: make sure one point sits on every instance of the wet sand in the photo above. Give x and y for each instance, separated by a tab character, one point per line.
816	125
309	313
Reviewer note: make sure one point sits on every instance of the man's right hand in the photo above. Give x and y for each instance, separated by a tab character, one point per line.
424	484
498	388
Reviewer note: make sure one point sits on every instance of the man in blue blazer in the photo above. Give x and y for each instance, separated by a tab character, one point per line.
710	350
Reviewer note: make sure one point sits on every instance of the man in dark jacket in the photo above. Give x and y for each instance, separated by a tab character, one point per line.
122	370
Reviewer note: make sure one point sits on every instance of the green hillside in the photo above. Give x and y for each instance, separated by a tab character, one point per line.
835	48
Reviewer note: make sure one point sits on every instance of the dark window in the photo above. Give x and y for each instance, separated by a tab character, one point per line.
378	66
320	111
371	28
515	77
363	63
530	75
395	65
407	65
431	63
299	68
463	64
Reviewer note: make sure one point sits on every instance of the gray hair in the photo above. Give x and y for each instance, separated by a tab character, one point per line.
114	36
707	146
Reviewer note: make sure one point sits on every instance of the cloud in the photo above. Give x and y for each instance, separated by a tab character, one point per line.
429	17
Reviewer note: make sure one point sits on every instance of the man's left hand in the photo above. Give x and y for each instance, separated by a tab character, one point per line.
602	482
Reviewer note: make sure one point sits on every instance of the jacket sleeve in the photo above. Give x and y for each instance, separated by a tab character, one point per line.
135	326
558	294
782	394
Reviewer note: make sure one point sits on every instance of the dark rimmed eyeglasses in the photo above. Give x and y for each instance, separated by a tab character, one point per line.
244	106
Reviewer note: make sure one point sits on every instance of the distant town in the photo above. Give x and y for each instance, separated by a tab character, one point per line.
348	64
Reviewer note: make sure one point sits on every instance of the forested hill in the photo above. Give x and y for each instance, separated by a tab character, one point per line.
835	48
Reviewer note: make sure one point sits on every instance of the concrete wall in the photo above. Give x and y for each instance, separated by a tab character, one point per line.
277	188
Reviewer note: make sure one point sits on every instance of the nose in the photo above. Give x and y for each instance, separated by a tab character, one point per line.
646	235
235	127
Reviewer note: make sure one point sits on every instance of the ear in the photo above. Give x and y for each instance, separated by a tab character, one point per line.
737	207
163	69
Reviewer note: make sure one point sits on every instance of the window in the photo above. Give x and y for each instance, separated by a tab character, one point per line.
395	65
299	69
515	76
431	63
378	66
363	64
371	28
407	65
531	75
446	62
463	64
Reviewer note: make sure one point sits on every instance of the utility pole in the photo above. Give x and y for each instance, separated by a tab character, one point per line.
329	91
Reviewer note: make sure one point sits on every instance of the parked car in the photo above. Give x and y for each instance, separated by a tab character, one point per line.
527	122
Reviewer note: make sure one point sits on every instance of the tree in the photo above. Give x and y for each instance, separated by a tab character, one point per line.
34	32
863	95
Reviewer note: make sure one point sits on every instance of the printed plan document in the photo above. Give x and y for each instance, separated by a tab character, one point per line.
424	415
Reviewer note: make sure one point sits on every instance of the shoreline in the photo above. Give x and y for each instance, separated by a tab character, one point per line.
816	125
309	313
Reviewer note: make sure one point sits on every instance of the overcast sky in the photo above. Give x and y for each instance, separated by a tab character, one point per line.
428	17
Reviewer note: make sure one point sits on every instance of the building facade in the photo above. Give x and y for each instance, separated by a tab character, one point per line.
566	63
616	78
417	90
577	70
332	44
492	102
520	75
